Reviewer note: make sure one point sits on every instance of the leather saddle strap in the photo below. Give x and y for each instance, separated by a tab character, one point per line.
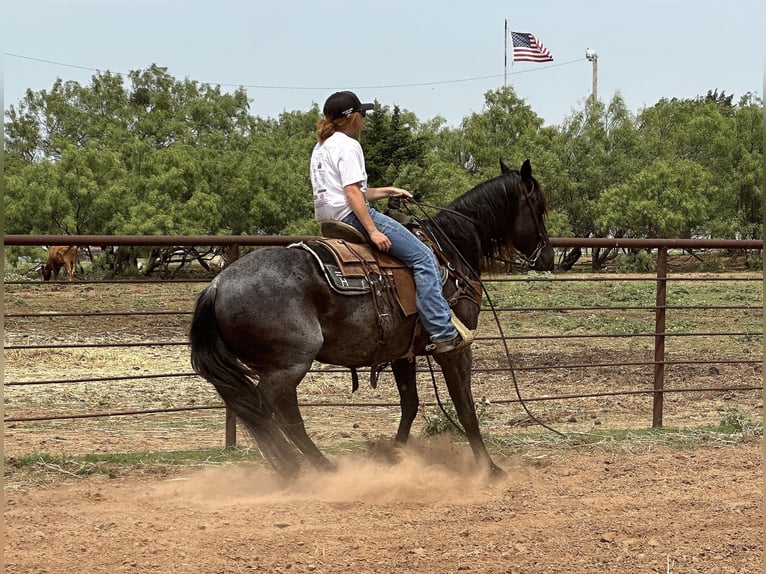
384	301
378	286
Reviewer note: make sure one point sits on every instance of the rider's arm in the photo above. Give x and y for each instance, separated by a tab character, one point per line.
375	193
359	206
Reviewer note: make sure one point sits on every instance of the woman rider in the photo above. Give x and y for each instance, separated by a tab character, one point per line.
339	181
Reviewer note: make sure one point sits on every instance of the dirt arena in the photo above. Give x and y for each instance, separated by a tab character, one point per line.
638	506
594	510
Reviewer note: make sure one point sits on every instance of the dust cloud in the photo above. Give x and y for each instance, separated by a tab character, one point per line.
431	474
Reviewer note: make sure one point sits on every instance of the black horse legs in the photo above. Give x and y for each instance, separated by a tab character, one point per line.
456	368
404	373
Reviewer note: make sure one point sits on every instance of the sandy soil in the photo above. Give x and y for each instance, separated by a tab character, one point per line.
633	508
594	510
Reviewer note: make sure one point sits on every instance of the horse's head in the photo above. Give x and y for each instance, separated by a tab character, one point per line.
498	220
47	272
528	233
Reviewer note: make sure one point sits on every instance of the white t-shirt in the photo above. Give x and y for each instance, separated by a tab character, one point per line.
336	163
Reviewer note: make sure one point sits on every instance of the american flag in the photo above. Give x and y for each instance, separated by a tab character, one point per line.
527	48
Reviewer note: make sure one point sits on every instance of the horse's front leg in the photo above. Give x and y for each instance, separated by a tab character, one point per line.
404	374
456	367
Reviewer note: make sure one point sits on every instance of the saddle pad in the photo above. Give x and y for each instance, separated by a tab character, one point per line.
353	257
347	267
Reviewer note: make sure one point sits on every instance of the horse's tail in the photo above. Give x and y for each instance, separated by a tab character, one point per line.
212	360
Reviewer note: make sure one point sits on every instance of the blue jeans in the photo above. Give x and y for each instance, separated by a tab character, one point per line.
432	307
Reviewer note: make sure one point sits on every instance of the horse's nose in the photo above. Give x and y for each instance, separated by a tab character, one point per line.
545	260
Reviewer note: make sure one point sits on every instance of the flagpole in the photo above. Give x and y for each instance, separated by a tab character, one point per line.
505	63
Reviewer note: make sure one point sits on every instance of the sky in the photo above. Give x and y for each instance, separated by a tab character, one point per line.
431	57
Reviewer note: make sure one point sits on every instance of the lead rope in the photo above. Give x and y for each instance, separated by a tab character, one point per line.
523	403
513	372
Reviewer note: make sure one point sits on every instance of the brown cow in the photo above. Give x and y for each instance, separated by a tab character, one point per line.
60	256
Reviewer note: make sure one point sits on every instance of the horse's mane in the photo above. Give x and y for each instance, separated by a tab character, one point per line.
479	222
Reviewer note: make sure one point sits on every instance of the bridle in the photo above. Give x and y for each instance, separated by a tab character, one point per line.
543	240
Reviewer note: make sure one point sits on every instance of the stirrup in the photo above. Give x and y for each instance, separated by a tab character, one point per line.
464	331
463	339
333	229
453	344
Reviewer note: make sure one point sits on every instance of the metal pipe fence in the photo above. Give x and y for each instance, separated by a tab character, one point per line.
660	310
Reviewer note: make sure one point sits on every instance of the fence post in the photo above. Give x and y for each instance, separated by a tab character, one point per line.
659	336
231	418
231	428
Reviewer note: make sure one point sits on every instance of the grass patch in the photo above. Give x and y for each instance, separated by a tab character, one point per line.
733	429
45	468
438	421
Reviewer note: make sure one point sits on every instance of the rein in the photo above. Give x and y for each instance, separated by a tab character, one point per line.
532	259
438	208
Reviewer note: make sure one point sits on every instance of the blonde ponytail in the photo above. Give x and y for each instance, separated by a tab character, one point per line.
325	128
348	124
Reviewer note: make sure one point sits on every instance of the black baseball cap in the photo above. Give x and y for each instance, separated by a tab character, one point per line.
342	104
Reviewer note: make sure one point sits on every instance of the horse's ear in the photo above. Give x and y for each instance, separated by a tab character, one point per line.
504	168
526	169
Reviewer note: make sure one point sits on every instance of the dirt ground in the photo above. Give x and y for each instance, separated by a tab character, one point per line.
660	510
631	508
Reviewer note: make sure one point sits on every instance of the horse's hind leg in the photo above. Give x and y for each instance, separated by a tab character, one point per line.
281	387
404	373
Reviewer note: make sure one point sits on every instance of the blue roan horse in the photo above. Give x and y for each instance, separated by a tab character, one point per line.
262	321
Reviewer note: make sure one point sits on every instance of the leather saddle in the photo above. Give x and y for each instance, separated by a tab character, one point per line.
353	267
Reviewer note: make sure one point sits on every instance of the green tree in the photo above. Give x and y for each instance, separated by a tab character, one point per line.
441	175
156	157
593	152
277	173
747	155
667	199
594	149
390	142
506	128
723	138
148	154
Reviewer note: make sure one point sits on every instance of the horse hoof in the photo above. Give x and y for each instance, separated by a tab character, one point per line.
385	451
325	465
496	473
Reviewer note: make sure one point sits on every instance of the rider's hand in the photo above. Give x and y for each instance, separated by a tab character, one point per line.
402	194
380	241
